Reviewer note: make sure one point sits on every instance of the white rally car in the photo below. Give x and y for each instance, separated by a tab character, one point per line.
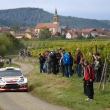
12	79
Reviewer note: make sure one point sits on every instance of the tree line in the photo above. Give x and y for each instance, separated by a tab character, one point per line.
9	44
32	16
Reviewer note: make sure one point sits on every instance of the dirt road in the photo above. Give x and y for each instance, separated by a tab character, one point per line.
23	100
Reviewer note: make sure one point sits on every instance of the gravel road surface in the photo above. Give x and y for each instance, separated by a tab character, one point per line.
24	100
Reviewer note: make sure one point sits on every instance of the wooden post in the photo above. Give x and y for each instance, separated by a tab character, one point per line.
105	75
103	71
107	56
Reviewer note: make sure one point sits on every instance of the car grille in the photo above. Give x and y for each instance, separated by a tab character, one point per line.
11	86
11	81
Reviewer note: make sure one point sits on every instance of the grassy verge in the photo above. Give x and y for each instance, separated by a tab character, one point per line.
67	92
7	65
1	108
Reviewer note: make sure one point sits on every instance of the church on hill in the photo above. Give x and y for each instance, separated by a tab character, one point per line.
53	26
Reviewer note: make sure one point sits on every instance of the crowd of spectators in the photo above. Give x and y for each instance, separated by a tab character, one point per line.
56	61
53	62
60	61
24	53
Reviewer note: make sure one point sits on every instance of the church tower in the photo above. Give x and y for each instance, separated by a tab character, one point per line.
55	18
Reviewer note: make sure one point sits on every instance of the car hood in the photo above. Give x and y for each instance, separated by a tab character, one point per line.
12	79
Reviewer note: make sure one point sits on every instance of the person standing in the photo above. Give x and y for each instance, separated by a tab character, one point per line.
70	64
10	61
93	58
58	55
84	81
78	57
89	78
48	61
65	61
61	65
41	61
53	61
1	62
93	63
98	67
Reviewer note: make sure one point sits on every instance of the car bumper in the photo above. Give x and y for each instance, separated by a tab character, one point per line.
22	87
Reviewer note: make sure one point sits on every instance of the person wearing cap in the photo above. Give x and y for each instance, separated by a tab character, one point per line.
65	61
78	57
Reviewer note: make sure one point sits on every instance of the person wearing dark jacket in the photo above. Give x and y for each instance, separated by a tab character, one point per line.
53	61
58	57
41	61
10	61
70	64
78	57
98	68
48	61
1	62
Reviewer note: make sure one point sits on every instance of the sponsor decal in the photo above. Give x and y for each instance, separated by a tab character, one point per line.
11	79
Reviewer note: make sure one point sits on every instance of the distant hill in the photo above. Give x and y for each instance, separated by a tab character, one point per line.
32	16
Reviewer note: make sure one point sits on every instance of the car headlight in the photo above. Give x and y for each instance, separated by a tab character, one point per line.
21	79
1	81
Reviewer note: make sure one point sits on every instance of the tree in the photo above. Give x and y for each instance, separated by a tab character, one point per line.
15	27
63	36
44	33
80	36
5	45
90	37
9	44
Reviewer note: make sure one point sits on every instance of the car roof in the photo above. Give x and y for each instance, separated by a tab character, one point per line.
9	68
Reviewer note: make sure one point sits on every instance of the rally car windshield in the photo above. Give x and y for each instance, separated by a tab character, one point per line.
10	73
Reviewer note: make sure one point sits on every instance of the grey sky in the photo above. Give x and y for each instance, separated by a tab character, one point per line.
92	9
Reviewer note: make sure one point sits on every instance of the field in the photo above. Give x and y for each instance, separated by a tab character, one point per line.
63	91
70	46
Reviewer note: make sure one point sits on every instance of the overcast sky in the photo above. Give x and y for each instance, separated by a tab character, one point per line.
92	9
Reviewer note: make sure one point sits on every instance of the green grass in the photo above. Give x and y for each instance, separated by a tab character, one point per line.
67	92
13	64
1	108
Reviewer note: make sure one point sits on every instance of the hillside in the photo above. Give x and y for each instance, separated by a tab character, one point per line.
32	16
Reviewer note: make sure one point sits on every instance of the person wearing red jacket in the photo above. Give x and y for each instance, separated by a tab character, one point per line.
89	78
